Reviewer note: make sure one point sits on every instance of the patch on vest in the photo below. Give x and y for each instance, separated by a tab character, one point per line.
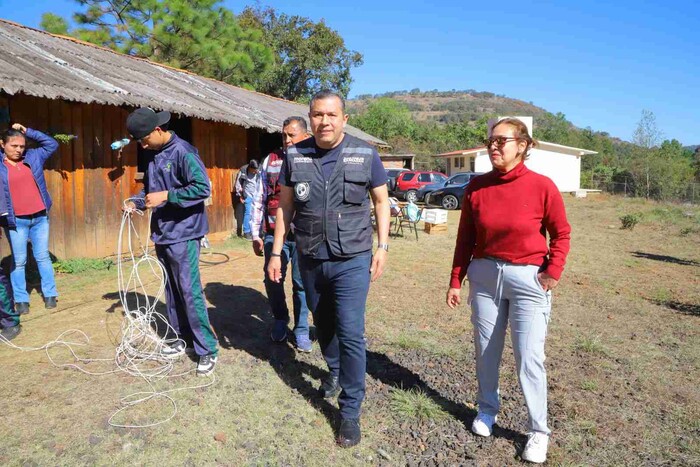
302	191
353	160
303	159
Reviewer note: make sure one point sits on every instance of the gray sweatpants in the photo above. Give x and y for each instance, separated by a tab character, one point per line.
499	293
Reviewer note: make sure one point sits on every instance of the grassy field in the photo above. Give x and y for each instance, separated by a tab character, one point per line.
623	363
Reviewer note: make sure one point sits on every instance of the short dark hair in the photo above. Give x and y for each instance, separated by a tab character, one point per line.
253	164
300	120
11	132
327	94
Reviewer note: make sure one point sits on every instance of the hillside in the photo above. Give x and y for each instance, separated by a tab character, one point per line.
451	106
432	122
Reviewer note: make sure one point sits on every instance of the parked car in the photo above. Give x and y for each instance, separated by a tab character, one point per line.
391	175
449	197
408	183
456	179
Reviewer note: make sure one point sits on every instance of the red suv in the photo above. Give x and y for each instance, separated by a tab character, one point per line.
407	183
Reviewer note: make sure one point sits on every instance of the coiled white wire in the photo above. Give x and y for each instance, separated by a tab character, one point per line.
140	350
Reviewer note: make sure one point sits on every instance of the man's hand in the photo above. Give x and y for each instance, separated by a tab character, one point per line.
258	246
378	262
546	281
153	200
19	127
453	299
128	206
274	269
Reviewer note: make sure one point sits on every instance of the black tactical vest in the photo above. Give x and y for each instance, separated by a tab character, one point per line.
337	211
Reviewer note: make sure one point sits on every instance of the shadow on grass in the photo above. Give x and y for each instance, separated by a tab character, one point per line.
665	259
380	367
691	309
241	319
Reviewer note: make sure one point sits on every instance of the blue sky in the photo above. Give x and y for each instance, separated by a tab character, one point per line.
599	63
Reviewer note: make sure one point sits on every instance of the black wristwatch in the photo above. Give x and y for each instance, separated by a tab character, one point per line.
276	254
383	246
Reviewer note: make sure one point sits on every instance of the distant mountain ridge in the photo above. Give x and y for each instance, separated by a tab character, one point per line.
452	106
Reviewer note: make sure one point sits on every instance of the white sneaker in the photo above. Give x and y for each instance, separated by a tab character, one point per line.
206	365
173	350
536	447
483	424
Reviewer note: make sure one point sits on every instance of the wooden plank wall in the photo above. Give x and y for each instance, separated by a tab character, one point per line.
88	181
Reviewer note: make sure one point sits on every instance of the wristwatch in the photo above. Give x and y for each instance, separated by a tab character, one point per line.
383	246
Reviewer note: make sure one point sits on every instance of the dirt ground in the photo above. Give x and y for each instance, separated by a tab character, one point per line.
623	364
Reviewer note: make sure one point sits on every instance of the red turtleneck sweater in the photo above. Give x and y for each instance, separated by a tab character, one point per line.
507	216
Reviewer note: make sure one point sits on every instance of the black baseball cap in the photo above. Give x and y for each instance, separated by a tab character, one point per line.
141	122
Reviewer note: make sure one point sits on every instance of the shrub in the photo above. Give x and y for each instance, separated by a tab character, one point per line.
589	345
78	265
630	220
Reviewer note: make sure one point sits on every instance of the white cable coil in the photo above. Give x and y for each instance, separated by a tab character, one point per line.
140	350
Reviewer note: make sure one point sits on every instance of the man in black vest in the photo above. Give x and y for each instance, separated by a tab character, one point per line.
325	182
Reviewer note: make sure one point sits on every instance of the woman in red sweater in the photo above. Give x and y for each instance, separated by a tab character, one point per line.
502	249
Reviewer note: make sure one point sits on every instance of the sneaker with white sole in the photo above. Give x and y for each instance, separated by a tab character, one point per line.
206	365
483	424
173	350
536	447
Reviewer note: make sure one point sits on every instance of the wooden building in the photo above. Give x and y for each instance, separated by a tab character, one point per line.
60	85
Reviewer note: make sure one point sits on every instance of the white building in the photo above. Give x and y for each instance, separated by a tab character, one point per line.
560	163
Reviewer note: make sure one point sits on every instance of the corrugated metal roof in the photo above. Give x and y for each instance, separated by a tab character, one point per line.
40	64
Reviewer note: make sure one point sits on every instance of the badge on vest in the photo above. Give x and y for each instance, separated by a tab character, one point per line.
302	191
353	160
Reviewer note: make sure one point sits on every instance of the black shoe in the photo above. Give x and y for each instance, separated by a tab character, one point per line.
349	433
11	332
330	388
248	237
22	308
50	302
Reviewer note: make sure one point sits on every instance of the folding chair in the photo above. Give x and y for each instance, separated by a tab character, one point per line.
411	215
396	214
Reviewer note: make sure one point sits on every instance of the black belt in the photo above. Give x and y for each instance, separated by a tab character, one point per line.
32	216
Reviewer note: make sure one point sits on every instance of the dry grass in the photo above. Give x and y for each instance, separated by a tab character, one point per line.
623	361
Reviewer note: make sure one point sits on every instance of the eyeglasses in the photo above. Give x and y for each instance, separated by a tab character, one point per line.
500	141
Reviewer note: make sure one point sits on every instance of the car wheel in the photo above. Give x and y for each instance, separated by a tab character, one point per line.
450	202
411	196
